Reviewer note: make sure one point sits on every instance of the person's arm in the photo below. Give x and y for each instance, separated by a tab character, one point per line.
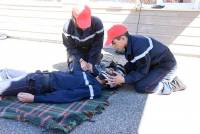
68	95
98	42
142	69
59	96
68	41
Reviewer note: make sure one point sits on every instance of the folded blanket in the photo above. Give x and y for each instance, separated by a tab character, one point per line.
58	117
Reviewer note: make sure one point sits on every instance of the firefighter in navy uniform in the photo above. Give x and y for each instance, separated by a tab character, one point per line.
150	67
83	38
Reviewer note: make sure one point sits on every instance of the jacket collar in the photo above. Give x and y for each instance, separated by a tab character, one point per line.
129	48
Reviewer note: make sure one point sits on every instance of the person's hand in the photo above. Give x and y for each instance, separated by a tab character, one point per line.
83	64
25	97
116	80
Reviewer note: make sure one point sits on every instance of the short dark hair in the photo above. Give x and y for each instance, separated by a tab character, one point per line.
125	34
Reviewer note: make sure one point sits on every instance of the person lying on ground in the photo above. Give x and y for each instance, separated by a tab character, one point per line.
56	86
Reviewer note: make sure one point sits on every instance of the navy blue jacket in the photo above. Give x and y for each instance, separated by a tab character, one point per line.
143	55
66	87
88	41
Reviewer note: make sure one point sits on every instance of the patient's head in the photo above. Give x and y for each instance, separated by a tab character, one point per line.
105	70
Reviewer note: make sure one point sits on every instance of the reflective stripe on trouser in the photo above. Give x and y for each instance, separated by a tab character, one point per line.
89	86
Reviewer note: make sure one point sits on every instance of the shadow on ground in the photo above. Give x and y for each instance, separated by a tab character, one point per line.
122	116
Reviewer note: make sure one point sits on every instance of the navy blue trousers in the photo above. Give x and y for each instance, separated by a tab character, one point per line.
56	87
156	74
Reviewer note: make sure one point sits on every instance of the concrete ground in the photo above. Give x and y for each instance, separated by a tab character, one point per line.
129	112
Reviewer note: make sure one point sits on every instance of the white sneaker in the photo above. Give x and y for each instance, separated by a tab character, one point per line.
177	85
3	75
167	88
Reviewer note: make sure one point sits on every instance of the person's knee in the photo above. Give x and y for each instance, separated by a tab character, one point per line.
72	58
140	89
73	64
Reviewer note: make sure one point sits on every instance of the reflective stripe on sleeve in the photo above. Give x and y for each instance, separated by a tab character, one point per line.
86	38
145	52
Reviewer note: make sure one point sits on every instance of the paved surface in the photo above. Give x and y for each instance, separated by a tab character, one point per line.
129	112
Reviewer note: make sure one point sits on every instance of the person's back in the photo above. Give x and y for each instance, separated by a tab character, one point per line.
157	51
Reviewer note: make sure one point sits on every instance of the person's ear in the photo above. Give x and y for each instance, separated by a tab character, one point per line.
125	40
